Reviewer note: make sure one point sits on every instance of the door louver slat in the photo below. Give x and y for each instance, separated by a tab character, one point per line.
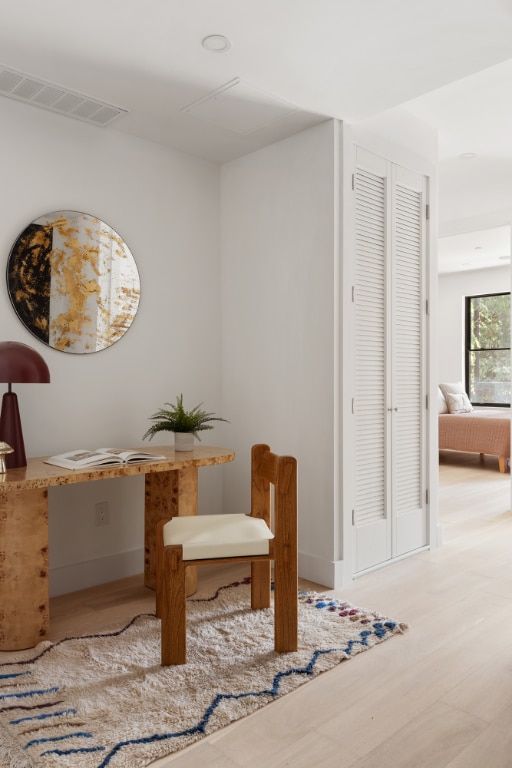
370	306
408	343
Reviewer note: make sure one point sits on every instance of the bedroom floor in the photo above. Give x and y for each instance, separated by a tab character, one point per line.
439	696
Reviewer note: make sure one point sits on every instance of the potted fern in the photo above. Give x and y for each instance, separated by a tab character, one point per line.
185	424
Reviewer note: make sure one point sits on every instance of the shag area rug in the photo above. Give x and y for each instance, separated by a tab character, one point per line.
104	700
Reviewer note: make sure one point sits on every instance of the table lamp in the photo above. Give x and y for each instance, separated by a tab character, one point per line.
19	364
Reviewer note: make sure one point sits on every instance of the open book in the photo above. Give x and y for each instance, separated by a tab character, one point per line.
82	458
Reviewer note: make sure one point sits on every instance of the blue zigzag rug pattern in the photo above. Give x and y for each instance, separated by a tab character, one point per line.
103	700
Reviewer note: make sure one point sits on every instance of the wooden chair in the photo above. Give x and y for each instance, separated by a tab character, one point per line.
232	538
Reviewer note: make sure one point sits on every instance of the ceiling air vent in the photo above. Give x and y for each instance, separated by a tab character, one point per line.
31	90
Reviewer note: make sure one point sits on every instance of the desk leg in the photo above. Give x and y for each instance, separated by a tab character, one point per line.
24	607
167	494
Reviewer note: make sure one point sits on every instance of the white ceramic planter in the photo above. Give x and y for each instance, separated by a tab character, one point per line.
183	441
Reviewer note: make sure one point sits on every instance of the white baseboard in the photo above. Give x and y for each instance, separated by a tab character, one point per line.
327	572
71	578
90	573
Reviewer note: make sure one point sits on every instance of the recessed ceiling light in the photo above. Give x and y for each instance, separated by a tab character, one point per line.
505	258
467	155
216	43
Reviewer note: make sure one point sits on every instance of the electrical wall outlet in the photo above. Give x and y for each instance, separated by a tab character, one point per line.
102	513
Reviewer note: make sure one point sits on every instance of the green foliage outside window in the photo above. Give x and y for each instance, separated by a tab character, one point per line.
488	374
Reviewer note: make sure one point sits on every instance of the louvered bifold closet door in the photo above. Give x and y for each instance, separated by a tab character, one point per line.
407	350
390	508
371	525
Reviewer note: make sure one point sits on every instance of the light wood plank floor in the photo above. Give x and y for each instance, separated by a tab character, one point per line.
439	696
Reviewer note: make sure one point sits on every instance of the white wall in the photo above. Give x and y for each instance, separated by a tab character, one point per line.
279	263
453	288
282	289
166	207
269	363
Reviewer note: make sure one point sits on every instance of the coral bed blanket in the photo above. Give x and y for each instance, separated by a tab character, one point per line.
476	432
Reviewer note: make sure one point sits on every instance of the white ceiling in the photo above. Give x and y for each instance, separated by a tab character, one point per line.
292	63
473	117
477	249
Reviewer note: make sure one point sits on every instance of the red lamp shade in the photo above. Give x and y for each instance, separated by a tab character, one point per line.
19	364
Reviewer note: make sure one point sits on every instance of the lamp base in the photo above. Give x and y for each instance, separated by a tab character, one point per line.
11	432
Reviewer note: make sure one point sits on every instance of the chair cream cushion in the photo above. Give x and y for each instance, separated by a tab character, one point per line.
210	536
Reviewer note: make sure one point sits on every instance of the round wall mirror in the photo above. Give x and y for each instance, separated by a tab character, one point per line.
73	282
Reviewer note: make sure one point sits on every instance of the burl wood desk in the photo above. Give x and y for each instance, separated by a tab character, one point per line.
170	489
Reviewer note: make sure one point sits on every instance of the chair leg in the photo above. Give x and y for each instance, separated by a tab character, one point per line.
286	606
260	584
173	608
159	567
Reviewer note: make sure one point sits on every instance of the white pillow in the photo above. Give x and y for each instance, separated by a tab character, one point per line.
441	401
459	403
456	388
452	389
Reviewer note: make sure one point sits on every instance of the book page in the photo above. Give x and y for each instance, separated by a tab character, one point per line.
129	455
82	458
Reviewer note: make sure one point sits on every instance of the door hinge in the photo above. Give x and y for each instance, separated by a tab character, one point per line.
427	211
353	405
427	307
427	496
353	293
353	517
353	181
427	401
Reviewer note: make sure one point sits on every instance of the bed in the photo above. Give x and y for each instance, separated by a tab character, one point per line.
477	432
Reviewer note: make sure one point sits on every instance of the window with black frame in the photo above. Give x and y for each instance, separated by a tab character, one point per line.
488	349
